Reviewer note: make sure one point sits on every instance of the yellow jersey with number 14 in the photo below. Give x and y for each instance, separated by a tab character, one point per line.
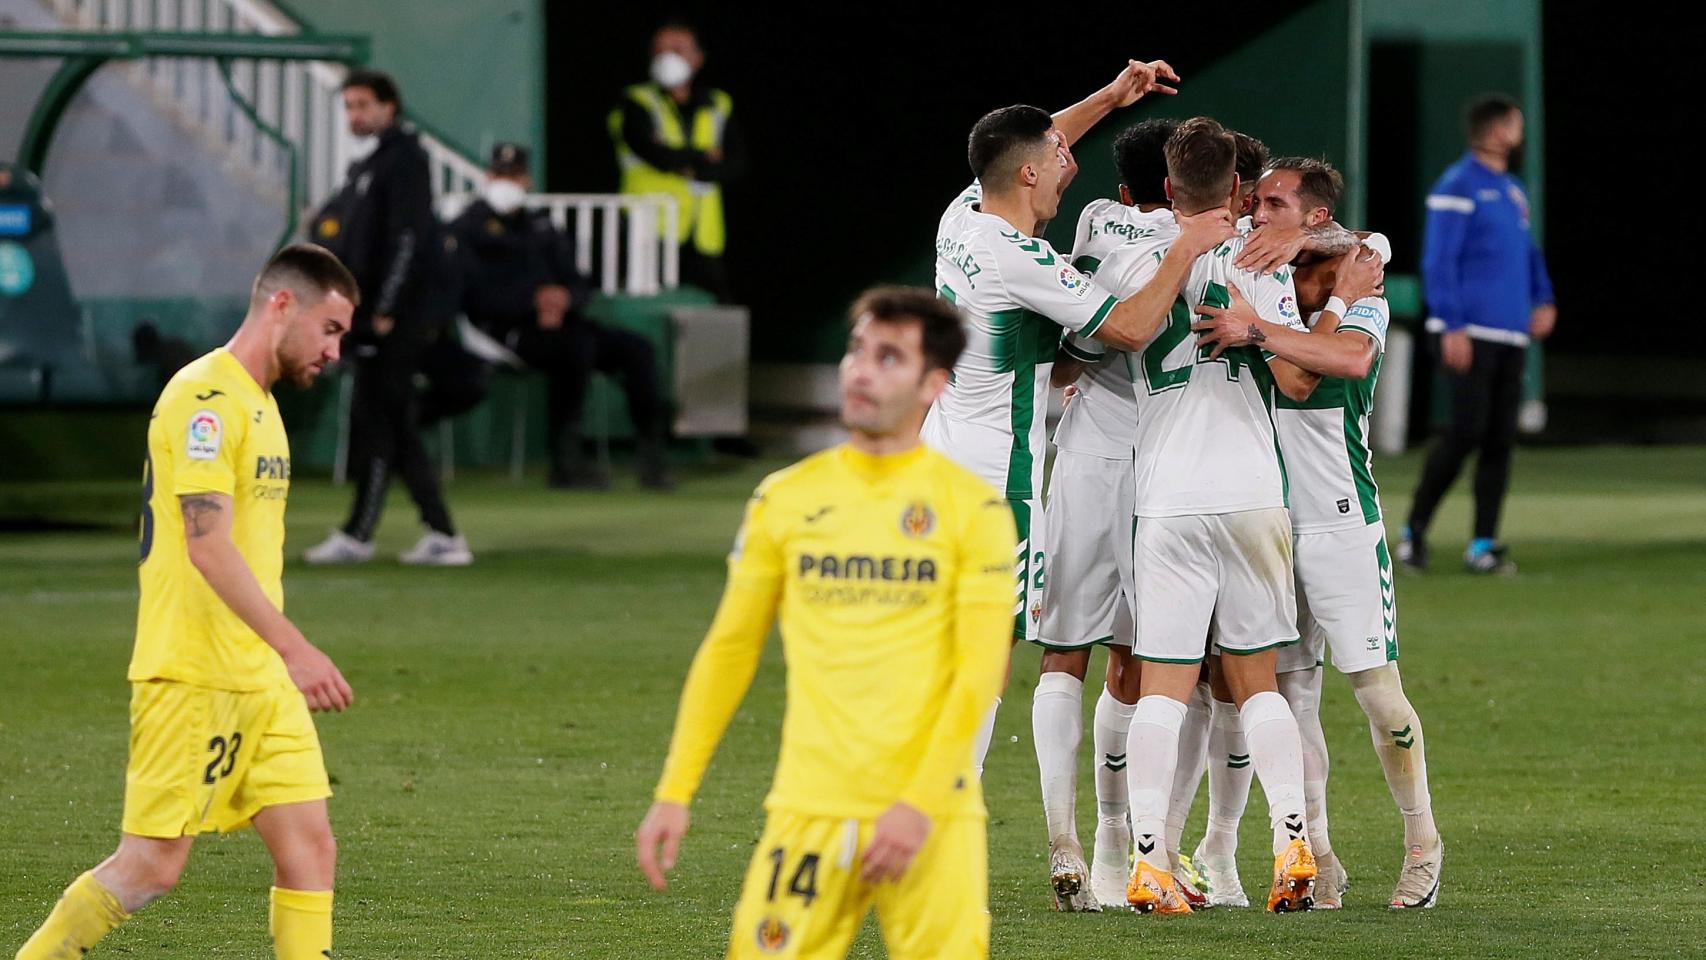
213	430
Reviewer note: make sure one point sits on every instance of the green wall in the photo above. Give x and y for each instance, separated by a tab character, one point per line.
1450	31
1286	87
474	73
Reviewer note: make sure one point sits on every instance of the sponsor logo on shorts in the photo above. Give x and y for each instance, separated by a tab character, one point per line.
772	935
205	431
1344	505
1036	611
918	520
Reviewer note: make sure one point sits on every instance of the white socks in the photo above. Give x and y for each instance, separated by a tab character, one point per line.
1277	754
1302	689
1228	779
1113	829
1187	774
985	734
1057	726
1153	749
1397	733
1113	723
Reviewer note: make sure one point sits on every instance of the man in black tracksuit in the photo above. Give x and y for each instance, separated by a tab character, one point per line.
381	225
518	283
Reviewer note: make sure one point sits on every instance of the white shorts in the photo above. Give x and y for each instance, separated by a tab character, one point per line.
1086	596
1345	601
1229	571
1030	567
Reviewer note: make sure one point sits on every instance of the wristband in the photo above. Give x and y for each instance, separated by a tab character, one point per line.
1335	305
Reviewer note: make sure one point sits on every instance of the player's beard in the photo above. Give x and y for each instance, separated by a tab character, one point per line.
297	371
302	376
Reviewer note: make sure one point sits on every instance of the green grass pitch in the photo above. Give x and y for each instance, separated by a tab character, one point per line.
512	718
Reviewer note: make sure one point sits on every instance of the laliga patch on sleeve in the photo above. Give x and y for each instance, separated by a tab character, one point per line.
1074	282
206	429
1288	309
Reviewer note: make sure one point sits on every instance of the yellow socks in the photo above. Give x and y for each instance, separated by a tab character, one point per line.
301	924
86	912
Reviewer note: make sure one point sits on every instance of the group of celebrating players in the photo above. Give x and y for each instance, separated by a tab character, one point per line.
1211	519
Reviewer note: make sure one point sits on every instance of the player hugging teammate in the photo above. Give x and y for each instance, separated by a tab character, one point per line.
1211	517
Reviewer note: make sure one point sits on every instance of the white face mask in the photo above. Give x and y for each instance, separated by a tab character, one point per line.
504	196
671	69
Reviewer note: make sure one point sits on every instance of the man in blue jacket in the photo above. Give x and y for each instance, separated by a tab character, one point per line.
1488	296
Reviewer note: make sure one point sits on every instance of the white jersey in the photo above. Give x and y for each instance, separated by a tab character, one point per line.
1102	420
1325	438
1016	293
1205	431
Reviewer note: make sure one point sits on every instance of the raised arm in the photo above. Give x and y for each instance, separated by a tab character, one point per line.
1136	80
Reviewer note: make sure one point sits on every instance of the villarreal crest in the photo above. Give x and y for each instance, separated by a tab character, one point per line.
918	520
772	935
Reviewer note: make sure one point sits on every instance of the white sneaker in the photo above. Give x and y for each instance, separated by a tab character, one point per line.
435	549
1110	864
339	547
1220	875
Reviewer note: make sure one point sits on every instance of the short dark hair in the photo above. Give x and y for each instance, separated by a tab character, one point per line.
941	329
1318	184
1141	159
1486	110
1252	157
1201	159
677	21
1000	139
308	270
379	82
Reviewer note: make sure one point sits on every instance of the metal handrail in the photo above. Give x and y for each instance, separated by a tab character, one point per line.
646	262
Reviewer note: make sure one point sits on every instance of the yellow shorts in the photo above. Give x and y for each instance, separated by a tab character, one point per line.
204	759
803	897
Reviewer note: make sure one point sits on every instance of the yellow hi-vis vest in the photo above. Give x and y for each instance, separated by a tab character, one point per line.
700	204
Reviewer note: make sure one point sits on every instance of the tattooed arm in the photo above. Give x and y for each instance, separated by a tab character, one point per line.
207	536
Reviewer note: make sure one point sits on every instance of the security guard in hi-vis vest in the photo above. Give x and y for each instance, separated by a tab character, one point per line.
674	135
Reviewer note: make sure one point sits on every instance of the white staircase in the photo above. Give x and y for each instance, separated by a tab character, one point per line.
303	102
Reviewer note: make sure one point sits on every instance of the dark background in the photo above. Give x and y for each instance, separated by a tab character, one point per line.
856	127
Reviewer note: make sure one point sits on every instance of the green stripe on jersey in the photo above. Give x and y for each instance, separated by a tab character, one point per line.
1078	353
1097	318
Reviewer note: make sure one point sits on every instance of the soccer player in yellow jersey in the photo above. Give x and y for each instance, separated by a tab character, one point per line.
877	552
221	681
